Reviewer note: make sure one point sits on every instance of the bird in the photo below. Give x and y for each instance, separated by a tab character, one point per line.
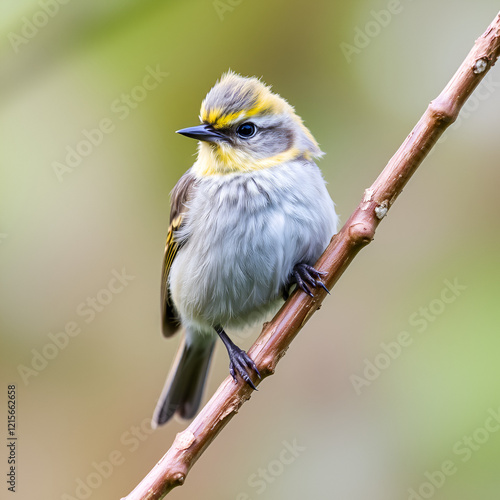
248	221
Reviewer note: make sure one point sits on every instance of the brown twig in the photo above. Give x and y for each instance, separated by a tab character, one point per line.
172	469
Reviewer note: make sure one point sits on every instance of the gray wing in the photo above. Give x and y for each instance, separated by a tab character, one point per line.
180	196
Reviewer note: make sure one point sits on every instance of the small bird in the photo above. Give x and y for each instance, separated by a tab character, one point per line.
247	222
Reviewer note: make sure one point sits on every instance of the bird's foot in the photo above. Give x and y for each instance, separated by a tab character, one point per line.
239	361
306	276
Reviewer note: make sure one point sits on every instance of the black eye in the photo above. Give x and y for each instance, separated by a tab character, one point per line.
246	130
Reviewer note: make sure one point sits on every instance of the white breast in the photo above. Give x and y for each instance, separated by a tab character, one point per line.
242	236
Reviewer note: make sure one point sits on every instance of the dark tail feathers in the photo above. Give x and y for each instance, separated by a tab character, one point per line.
184	386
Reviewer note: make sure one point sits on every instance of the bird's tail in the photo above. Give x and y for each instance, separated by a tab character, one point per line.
184	386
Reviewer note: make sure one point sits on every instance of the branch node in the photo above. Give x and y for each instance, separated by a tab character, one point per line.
444	111
184	440
382	209
268	366
480	66
178	479
361	233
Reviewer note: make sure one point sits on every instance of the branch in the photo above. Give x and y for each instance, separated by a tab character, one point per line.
273	342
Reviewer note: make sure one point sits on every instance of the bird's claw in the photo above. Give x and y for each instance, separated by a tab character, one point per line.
305	276
240	362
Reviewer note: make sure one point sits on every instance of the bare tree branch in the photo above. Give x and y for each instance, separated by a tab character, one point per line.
172	469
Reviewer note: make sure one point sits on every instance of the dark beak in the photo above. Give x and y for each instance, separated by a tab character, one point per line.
202	133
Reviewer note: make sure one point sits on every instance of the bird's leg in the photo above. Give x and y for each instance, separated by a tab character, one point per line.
239	360
305	276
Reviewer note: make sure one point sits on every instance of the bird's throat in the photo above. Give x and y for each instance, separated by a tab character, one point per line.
223	160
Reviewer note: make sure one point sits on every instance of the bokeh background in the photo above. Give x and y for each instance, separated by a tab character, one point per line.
64	232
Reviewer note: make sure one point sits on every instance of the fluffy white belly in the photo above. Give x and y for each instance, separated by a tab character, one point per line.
241	239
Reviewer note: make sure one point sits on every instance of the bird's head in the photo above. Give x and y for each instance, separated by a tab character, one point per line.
246	127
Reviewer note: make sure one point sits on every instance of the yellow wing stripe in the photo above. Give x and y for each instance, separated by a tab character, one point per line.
171	248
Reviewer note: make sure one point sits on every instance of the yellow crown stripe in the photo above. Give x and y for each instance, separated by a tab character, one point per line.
219	119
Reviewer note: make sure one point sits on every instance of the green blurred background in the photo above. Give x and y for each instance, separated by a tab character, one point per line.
61	237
